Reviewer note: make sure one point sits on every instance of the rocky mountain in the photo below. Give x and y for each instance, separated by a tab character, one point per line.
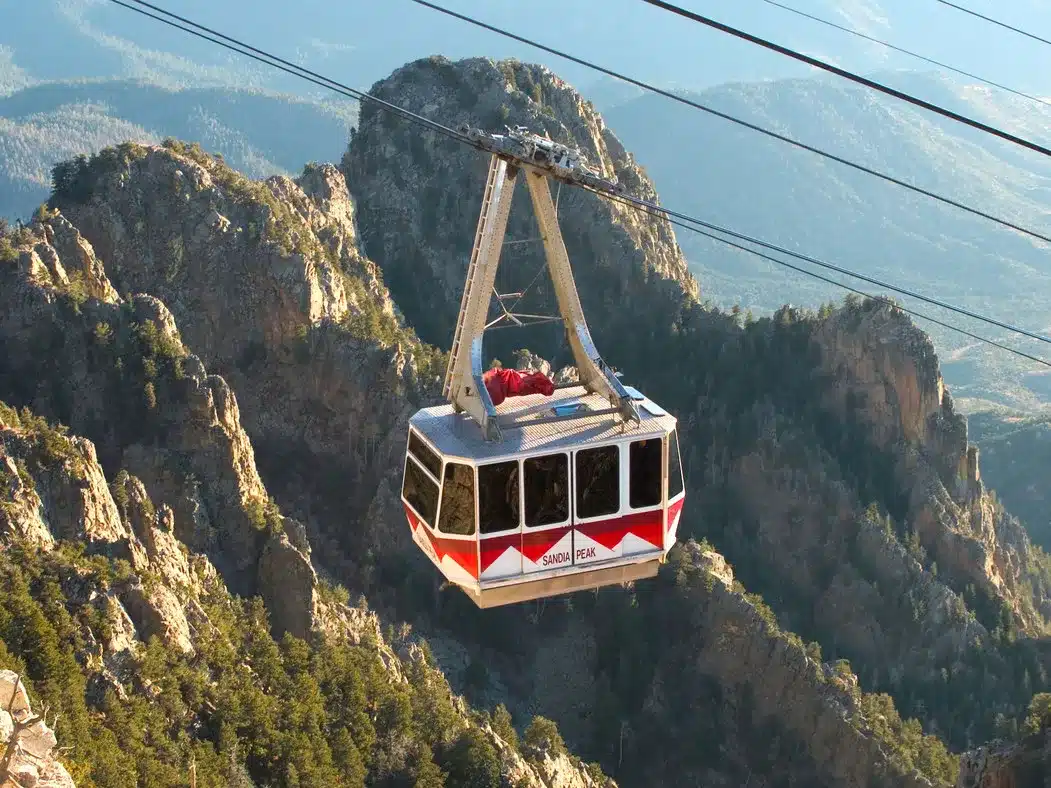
140	576
122	550
236	361
836	423
1016	448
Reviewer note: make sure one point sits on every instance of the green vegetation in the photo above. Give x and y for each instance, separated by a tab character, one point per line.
1038	717
264	515
276	224
542	736
48	444
366	320
277	712
75	180
908	744
1015	448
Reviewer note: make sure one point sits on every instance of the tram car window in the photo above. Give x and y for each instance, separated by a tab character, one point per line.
457	513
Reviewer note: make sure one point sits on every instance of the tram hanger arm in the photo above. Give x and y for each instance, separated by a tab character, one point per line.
464	385
594	374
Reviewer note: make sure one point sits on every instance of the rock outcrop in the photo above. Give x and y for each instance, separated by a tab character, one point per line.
150	408
173	595
1008	764
325	370
884	375
784	466
28	757
420	194
726	655
184	486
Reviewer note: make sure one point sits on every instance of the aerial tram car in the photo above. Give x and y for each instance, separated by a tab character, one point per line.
555	488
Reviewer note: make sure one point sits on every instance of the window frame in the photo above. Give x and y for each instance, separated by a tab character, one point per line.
405	499
474	503
569	490
478	497
619	511
413	433
668	495
661	474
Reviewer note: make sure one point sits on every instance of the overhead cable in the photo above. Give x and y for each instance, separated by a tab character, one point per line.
284	65
904	51
995	21
645	206
838	269
849	75
832	281
746	124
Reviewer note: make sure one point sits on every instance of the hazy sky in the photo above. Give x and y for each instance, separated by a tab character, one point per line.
360	41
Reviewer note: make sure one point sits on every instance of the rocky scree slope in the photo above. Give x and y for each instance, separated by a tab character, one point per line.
113	612
131	177
824	457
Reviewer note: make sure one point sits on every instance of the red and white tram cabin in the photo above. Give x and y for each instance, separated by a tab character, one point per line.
568	503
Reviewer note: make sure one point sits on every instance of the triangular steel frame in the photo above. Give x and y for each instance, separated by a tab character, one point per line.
464	386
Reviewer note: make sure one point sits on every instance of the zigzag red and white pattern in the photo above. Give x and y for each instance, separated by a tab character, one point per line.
462	552
536	551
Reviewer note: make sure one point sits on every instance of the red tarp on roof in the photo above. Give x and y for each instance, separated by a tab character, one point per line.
503	383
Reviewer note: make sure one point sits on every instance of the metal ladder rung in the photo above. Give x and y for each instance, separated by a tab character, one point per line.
472	267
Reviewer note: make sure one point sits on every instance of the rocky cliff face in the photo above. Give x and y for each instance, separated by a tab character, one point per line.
822	452
1008	765
726	654
166	486
325	370
149	406
418	186
885	376
27	744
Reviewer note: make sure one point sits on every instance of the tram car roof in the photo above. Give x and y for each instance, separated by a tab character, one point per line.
457	436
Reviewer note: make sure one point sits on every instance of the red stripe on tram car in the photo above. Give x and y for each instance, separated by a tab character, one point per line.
463	551
647	526
492	547
537	544
673	510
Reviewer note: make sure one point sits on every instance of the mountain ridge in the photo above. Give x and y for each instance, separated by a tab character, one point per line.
825	460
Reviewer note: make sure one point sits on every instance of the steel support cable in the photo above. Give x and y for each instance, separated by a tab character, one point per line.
995	21
746	124
849	75
904	51
832	267
647	207
659	212
213	36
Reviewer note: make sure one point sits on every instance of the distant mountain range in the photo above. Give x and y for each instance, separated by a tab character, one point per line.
737	178
258	133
